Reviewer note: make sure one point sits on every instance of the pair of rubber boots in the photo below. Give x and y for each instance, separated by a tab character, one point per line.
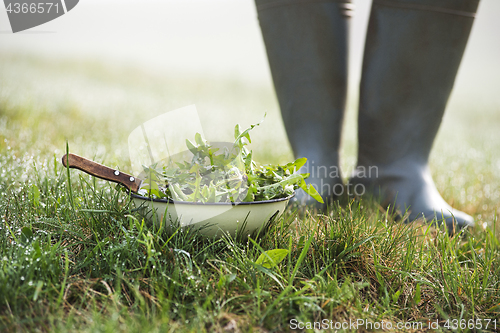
412	53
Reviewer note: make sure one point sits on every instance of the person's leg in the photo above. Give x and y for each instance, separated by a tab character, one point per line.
412	54
306	43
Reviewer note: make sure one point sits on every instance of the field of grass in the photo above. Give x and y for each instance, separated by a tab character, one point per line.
76	256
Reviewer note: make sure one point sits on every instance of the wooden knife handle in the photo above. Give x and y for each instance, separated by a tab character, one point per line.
101	171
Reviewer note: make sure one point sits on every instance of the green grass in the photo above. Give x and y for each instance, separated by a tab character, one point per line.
76	256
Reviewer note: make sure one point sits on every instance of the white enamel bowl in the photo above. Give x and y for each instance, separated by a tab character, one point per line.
212	219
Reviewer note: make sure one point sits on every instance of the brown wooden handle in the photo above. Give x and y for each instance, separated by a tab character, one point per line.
101	171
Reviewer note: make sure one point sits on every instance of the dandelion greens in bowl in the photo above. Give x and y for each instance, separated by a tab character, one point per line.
224	175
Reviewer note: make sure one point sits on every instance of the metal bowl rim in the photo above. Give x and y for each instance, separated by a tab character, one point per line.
136	196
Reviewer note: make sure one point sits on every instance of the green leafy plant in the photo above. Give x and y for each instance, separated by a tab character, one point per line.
225	175
271	258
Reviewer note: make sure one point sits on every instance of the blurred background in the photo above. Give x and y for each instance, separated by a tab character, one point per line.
207	42
216	38
96	73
